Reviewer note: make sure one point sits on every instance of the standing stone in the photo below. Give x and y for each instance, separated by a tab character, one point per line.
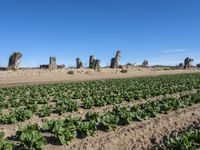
115	61
198	65
188	62
145	63
52	63
14	61
94	63
97	65
79	63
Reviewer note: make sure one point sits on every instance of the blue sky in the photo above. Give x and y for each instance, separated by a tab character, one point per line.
162	31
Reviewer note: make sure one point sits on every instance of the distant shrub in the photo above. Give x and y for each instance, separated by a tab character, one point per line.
166	68
61	66
129	64
71	72
124	71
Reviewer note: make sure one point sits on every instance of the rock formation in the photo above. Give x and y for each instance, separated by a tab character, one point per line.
94	63
79	63
97	65
14	61
145	63
181	65
188	62
115	61
52	63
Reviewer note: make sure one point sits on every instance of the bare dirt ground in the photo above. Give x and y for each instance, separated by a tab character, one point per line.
41	76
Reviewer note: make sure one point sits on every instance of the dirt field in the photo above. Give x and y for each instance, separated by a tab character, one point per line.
40	76
138	135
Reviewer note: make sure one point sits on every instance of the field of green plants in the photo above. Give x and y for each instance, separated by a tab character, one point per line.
19	104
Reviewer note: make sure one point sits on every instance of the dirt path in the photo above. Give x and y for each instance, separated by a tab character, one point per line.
138	135
39	76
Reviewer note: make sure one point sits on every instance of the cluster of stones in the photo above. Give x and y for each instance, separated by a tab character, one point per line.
52	64
187	63
94	63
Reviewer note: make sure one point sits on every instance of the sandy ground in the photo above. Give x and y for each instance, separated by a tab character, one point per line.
40	76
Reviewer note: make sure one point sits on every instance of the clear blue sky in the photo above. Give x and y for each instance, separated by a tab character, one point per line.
162	31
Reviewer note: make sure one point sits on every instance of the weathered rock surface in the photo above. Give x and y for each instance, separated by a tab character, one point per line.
115	60
79	63
14	61
188	62
52	63
94	63
145	63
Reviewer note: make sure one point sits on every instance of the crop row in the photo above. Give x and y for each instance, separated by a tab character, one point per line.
24	113
95	93
31	137
187	139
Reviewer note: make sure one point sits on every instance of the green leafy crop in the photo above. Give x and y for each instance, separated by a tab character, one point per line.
30	137
5	144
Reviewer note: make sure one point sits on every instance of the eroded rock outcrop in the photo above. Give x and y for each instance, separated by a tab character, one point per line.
145	63
79	63
52	63
94	63
14	61
188	62
115	60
